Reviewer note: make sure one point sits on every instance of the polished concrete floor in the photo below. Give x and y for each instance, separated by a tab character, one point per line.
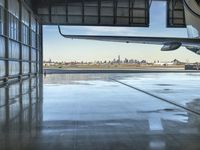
155	111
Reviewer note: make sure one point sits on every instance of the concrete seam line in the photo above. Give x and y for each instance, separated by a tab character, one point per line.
160	98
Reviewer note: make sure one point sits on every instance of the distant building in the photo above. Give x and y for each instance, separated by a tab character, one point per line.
195	66
168	63
143	62
177	62
48	63
126	61
119	60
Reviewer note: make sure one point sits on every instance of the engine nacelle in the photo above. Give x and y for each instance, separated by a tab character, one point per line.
171	46
194	49
192	17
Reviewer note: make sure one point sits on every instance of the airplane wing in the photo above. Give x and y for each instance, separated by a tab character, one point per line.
169	43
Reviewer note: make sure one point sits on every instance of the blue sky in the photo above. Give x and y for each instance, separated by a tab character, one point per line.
58	48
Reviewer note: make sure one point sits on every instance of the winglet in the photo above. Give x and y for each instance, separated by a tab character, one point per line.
59	29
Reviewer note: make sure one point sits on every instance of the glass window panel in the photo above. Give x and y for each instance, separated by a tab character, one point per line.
25	67
13	27
13	50
2	2
13	68
2	97
25	100
25	52
33	24
25	16
13	91
33	67
33	54
2	68
2	116
13	7
2	47
25	86
33	38
1	20
14	110
34	95
25	34
33	82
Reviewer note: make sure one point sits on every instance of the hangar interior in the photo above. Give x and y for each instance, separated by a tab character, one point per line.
93	120
21	24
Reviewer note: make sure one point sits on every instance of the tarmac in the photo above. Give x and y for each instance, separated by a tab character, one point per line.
117	70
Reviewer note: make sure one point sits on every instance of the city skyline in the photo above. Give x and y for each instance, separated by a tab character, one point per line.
117	59
86	50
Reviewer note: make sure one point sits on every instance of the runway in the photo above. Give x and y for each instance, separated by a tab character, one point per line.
152	111
119	71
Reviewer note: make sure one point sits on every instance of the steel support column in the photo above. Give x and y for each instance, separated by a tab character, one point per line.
6	33
20	39
41	50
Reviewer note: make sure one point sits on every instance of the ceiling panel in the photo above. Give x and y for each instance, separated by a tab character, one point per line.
94	12
176	14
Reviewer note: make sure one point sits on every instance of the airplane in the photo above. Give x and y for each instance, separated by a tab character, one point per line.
192	43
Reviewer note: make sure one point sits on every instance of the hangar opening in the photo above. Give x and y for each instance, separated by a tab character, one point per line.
96	109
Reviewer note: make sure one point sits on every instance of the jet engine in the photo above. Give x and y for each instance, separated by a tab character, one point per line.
194	49
171	46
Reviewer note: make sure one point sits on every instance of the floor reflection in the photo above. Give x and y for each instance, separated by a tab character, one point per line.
20	113
92	112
